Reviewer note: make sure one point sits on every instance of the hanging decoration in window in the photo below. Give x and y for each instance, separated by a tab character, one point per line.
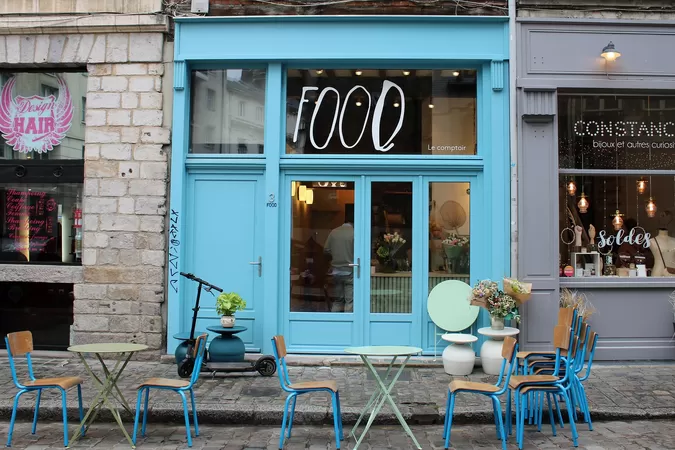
35	124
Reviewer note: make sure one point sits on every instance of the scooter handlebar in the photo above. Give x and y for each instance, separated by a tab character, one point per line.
190	276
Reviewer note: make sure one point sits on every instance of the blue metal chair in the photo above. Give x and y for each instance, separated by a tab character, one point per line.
307	387
179	386
494	391
21	343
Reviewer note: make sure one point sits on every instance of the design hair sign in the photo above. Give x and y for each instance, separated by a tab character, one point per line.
35	124
339	114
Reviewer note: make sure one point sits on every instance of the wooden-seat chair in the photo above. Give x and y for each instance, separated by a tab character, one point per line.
21	343
303	387
494	391
566	316
178	386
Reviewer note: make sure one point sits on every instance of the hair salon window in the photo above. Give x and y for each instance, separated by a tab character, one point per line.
41	167
410	112
616	185
220	100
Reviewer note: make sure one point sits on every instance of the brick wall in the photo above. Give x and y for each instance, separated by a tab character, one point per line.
120	293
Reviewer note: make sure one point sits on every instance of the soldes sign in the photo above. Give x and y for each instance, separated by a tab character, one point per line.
339	114
35	124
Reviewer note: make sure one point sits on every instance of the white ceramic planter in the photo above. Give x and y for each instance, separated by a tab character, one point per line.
227	321
459	357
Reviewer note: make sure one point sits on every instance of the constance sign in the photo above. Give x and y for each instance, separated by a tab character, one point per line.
339	114
35	124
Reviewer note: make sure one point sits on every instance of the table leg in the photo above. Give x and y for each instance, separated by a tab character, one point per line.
385	392
373	398
102	398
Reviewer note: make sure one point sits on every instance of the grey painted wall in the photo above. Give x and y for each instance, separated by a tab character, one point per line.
634	317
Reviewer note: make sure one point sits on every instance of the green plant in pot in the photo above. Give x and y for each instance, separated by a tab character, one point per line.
227	304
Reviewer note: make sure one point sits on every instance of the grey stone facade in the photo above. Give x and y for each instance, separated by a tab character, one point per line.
119	290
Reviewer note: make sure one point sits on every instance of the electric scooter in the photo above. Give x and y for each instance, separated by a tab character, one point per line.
265	365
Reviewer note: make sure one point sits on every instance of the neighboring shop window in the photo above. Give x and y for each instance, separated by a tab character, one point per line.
376	112
224	105
617	185
41	167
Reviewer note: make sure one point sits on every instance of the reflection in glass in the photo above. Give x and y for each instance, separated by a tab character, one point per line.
36	124
322	246
449	233
391	247
41	223
227	111
427	112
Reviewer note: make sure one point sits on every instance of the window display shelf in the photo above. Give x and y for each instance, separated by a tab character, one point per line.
604	282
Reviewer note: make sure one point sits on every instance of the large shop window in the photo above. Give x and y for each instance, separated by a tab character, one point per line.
410	112
227	111
41	167
617	185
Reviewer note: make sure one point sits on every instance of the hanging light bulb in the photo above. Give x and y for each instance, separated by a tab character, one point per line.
651	208
396	104
583	204
358	103
358	73
571	188
319	72
641	186
617	221
406	72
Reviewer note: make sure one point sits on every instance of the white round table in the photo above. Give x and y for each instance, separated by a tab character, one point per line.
458	357
491	350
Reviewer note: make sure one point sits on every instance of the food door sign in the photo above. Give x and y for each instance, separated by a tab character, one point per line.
35	124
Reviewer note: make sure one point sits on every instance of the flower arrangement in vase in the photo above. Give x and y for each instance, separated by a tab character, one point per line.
388	245
455	247
500	305
227	303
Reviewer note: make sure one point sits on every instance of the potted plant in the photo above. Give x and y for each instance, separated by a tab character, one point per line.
227	304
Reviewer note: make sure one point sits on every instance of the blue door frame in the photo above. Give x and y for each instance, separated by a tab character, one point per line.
381	42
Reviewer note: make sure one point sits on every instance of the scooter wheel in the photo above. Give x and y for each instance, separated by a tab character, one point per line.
186	367
266	366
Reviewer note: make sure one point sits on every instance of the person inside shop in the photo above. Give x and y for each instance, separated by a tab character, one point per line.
627	249
339	250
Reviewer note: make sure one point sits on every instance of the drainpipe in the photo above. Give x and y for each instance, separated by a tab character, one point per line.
513	135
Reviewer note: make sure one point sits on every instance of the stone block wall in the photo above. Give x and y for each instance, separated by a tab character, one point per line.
121	291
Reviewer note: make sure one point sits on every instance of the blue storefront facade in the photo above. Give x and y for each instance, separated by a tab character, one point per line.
333	170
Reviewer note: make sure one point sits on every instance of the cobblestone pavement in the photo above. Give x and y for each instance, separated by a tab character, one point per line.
652	435
627	392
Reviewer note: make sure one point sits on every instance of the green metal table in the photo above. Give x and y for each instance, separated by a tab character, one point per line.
108	389
383	394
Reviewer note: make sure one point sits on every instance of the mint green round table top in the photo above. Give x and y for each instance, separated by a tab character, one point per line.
449	308
112	347
384	350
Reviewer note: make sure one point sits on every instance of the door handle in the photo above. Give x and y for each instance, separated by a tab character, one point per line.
259	264
358	267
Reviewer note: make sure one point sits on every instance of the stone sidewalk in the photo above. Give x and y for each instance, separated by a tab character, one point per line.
616	392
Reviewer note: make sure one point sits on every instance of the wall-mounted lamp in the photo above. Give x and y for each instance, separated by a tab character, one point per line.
455	73
610	52
358	73
319	72
406	72
294	188
302	193
309	196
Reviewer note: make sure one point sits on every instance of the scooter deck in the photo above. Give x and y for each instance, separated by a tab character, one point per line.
229	366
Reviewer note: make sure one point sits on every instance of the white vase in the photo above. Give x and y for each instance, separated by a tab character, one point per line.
227	321
496	323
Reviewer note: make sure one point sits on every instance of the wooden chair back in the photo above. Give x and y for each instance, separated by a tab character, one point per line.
591	341
508	348
20	343
566	316
280	345
561	337
198	343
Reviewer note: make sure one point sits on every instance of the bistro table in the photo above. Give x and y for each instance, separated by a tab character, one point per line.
383	393
108	389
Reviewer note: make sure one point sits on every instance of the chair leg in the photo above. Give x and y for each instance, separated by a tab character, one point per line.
522	399
194	411
540	410
81	410
448	414
550	413
497	420
290	422
64	406
336	420
559	411
584	402
507	416
138	414
145	410
570	415
283	422
500	425
13	418
339	407
188	433
35	414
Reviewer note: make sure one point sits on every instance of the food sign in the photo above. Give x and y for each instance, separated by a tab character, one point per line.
35	124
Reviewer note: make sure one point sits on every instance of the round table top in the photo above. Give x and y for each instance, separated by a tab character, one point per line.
449	307
185	335
229	330
112	347
459	338
384	350
507	331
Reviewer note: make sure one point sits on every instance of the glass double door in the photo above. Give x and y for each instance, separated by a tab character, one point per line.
364	253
